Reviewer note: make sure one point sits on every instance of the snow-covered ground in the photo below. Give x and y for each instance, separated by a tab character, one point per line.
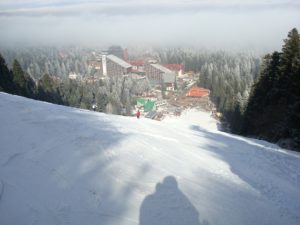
60	165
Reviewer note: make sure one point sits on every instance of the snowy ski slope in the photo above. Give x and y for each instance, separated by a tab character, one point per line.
66	166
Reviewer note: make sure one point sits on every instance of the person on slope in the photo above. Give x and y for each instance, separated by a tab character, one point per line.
138	114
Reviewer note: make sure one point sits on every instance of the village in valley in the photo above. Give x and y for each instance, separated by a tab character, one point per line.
171	88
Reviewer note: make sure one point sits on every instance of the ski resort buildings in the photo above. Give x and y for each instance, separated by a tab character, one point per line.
117	66
177	68
138	66
160	75
110	65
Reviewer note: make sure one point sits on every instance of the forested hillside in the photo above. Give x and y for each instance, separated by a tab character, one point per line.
273	110
229	76
55	61
111	96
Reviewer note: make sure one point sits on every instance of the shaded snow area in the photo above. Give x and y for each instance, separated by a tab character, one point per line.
66	166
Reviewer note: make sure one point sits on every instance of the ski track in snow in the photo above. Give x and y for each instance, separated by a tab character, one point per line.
66	166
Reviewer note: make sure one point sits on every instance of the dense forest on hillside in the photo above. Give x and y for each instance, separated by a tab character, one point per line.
116	95
54	61
229	76
273	110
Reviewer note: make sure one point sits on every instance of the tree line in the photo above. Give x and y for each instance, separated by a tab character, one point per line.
116	95
54	61
273	109
229	76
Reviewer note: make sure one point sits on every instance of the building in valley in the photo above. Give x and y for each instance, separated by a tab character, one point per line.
160	75
115	66
138	66
177	68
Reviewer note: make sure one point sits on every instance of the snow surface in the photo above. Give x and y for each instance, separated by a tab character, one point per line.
61	165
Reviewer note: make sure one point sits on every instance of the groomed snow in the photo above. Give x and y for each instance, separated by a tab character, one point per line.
61	165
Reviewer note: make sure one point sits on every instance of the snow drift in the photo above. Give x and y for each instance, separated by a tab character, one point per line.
61	165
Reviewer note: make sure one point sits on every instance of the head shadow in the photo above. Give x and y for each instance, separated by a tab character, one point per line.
168	205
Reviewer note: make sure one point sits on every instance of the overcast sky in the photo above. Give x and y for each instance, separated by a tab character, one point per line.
220	24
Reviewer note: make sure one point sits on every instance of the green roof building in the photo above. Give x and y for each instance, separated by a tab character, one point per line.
147	104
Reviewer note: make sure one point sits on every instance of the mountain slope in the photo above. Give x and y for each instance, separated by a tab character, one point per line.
61	165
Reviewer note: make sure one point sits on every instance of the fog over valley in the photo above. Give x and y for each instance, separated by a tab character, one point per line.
259	26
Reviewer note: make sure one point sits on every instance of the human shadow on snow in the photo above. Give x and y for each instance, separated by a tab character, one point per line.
168	205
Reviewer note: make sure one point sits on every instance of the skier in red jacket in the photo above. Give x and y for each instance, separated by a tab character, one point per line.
138	114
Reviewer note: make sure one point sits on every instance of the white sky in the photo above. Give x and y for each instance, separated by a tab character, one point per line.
225	24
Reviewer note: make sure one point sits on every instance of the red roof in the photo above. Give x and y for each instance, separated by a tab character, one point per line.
197	92
137	62
174	67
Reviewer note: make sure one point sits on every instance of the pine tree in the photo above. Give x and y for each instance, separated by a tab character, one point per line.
6	82
19	78
290	80
48	90
291	54
102	101
262	97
